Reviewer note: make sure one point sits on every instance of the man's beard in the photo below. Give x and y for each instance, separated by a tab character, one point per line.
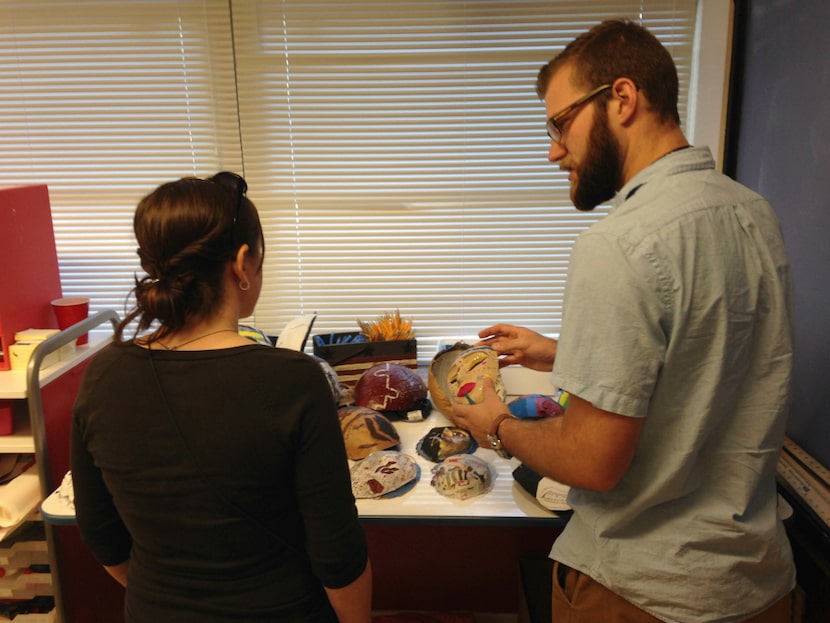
598	177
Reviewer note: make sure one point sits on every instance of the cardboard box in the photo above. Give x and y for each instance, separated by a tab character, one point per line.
351	359
21	352
67	351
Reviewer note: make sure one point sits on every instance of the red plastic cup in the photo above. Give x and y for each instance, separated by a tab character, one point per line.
71	310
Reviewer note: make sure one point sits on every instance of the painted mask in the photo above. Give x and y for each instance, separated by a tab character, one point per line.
366	431
382	473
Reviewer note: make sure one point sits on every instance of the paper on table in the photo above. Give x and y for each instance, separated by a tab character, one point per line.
18	498
553	495
295	333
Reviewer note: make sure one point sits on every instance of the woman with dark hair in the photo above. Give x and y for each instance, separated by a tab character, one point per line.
210	474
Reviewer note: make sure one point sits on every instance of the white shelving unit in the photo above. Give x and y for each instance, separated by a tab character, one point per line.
24	388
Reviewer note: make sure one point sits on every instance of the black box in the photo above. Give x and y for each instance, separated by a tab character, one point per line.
350	359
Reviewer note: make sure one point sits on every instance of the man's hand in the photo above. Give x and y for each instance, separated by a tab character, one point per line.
586	447
479	418
519	345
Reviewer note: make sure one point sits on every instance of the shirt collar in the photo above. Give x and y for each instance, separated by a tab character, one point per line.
678	161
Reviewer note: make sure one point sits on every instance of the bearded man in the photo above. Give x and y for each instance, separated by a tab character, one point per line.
676	350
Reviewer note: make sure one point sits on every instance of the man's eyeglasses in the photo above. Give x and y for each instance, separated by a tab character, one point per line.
236	183
555	122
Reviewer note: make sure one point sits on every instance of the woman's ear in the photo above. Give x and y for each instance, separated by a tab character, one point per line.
239	268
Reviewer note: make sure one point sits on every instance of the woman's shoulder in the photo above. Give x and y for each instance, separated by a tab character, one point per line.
115	361
115	351
273	356
284	366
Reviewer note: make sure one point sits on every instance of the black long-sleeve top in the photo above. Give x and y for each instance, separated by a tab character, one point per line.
238	509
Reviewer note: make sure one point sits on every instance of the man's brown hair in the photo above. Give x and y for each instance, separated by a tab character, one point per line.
616	49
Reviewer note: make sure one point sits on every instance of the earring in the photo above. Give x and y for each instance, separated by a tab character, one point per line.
244	285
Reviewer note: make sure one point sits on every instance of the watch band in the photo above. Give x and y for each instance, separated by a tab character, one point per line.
493	436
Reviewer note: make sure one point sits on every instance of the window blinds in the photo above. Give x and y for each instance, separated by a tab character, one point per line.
103	101
396	150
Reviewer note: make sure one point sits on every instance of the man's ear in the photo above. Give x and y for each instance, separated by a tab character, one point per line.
626	100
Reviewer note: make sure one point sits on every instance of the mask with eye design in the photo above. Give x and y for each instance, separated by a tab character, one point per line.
456	375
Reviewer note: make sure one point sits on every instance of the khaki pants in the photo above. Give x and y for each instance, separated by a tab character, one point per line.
582	600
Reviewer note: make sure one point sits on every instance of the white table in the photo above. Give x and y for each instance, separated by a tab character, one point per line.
507	503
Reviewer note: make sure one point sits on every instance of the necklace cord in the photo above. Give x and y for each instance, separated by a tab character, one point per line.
195	339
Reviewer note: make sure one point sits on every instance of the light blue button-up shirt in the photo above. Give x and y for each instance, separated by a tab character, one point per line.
678	309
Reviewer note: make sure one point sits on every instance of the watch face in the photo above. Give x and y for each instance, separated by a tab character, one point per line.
496	445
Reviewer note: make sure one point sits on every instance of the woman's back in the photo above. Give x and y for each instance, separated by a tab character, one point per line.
230	476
